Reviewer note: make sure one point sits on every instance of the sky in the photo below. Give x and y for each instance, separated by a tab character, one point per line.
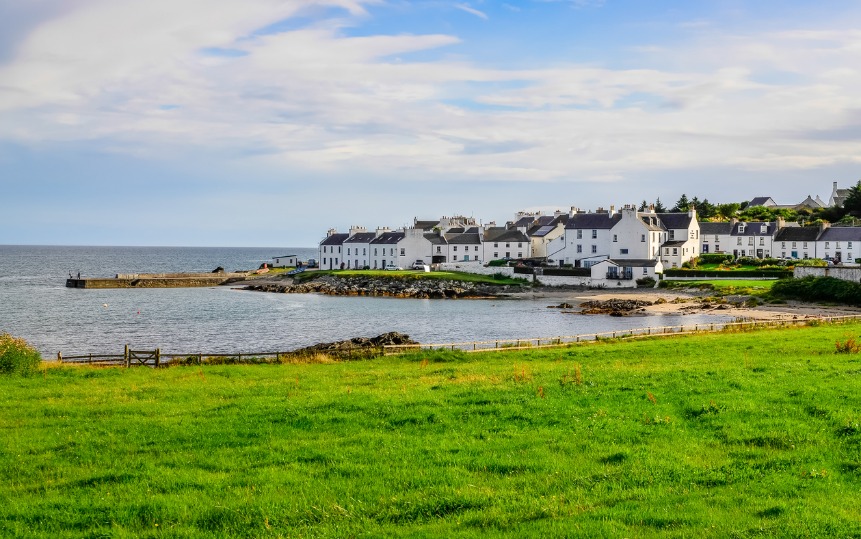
268	122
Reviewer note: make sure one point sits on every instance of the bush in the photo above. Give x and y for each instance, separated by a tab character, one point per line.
714	258
819	289
497	263
646	282
735	274
17	356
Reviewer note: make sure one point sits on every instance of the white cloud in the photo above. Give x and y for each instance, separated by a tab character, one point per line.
138	75
471	10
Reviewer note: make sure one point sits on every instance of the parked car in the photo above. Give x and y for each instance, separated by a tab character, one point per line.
392	267
312	263
418	265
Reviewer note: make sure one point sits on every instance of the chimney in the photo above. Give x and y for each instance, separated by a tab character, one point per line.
822	226
355	229
780	223
381	230
612	209
651	208
331	232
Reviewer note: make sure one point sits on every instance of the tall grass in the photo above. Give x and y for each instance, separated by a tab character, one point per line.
711	435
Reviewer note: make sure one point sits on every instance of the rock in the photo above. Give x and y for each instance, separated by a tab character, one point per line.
613	307
357	346
561	306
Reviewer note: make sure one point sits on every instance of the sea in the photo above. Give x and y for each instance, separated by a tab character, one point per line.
36	305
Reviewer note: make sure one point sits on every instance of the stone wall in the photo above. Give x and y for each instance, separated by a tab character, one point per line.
477	268
846	274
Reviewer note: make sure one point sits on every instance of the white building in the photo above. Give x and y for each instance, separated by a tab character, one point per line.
623	273
285	261
501	242
330	250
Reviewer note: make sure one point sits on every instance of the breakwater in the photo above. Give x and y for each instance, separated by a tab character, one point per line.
388	287
156	280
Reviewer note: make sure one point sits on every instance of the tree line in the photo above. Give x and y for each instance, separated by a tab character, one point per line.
848	213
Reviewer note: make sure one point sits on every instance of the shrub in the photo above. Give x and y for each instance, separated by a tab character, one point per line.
17	356
819	289
646	282
497	263
714	258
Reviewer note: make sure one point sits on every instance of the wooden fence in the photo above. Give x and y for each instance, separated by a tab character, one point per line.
550	342
127	358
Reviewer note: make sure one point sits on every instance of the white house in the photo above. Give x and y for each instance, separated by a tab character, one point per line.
465	245
683	238
501	242
329	252
839	243
716	237
285	261
544	230
623	273
357	248
384	250
796	242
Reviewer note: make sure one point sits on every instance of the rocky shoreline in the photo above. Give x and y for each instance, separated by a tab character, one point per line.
392	287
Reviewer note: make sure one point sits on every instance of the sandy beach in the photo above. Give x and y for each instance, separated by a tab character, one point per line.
686	302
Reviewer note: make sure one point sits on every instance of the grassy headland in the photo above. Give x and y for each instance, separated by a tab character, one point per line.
714	435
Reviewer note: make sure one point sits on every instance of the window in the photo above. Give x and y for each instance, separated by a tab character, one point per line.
519	255
762	241
739	241
438	248
675	251
672	234
849	246
594	248
741	228
508	244
805	246
763	229
364	250
594	234
615	238
643	238
645	271
392	251
496	255
827	243
455	258
783	245
579	248
495	244
579	234
750	240
455	248
623	251
348	251
520	244
476	247
716	238
403	251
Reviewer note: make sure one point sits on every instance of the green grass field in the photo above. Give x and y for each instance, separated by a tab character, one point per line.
713	435
727	286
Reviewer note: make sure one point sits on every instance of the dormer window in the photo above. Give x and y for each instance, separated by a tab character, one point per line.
763	229
741	228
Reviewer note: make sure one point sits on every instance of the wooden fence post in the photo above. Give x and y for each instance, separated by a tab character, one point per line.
127	357
59	357
157	356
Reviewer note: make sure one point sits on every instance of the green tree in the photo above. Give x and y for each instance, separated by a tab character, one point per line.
705	209
682	204
852	203
643	206
659	207
728	211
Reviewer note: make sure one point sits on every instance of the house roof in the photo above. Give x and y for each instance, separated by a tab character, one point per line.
803	233
335	239
426	225
461	239
841	233
498	234
388	238
435	239
525	221
361	237
539	231
603	221
652	221
761	201
676	220
716	228
674	243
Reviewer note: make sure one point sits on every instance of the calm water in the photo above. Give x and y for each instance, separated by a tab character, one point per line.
36	305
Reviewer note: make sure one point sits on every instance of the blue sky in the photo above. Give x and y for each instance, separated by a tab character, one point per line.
267	122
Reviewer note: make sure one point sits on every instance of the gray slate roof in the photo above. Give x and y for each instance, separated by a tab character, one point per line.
498	234
435	239
675	220
803	233
841	233
388	238
335	239
760	201
361	237
754	228
462	239
635	263
715	228
603	221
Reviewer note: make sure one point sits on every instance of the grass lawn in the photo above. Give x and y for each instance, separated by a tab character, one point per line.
727	286
714	435
415	274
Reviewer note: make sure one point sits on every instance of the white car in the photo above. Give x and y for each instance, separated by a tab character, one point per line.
392	267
